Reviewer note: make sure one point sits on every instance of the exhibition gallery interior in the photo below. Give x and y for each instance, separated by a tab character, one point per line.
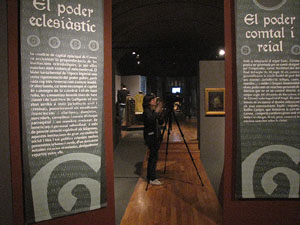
76	147
157	48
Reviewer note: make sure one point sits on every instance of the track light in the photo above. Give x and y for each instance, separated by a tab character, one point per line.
221	52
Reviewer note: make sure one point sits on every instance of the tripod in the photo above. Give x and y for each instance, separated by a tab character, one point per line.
168	123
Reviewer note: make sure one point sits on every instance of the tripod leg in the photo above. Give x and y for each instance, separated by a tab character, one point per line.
147	185
167	146
187	148
163	133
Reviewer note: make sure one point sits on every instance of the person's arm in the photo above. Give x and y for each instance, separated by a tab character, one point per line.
159	107
159	113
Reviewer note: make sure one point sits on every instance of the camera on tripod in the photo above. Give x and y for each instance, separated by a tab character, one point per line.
170	100
169	115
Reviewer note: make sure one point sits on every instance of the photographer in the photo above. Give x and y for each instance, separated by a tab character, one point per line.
152	134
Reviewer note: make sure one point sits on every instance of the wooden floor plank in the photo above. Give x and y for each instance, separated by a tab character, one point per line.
181	200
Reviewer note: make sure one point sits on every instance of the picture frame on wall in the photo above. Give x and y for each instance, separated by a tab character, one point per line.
214	101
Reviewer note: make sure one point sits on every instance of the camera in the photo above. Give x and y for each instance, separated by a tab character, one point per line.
170	100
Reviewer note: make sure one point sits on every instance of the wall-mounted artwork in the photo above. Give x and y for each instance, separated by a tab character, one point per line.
214	101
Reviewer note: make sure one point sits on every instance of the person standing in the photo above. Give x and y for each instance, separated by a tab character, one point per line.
122	95
152	120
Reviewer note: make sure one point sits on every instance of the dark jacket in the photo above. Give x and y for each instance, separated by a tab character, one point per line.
122	94
152	122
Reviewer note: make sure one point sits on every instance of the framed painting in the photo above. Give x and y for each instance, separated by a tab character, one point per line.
214	101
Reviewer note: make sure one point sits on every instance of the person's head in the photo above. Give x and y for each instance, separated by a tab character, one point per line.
149	100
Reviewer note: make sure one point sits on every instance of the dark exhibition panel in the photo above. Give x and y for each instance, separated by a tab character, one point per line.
263	188
63	174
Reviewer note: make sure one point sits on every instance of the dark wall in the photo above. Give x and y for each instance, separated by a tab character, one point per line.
212	128
5	175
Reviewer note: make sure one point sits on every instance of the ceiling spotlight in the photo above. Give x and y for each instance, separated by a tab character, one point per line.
221	52
138	62
133	53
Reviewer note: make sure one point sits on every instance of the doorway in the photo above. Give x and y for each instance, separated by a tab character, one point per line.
164	41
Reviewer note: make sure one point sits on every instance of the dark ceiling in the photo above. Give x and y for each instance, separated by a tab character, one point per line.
169	36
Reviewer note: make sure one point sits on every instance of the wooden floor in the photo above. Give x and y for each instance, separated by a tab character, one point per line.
182	200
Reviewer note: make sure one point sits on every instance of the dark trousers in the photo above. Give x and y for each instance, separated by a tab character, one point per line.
122	109
153	145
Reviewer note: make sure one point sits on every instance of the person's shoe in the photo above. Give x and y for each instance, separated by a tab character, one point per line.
156	182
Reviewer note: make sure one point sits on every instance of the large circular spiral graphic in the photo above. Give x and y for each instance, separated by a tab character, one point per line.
40	183
267	180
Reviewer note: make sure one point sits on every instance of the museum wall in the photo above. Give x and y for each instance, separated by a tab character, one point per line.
133	83
5	176
212	128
